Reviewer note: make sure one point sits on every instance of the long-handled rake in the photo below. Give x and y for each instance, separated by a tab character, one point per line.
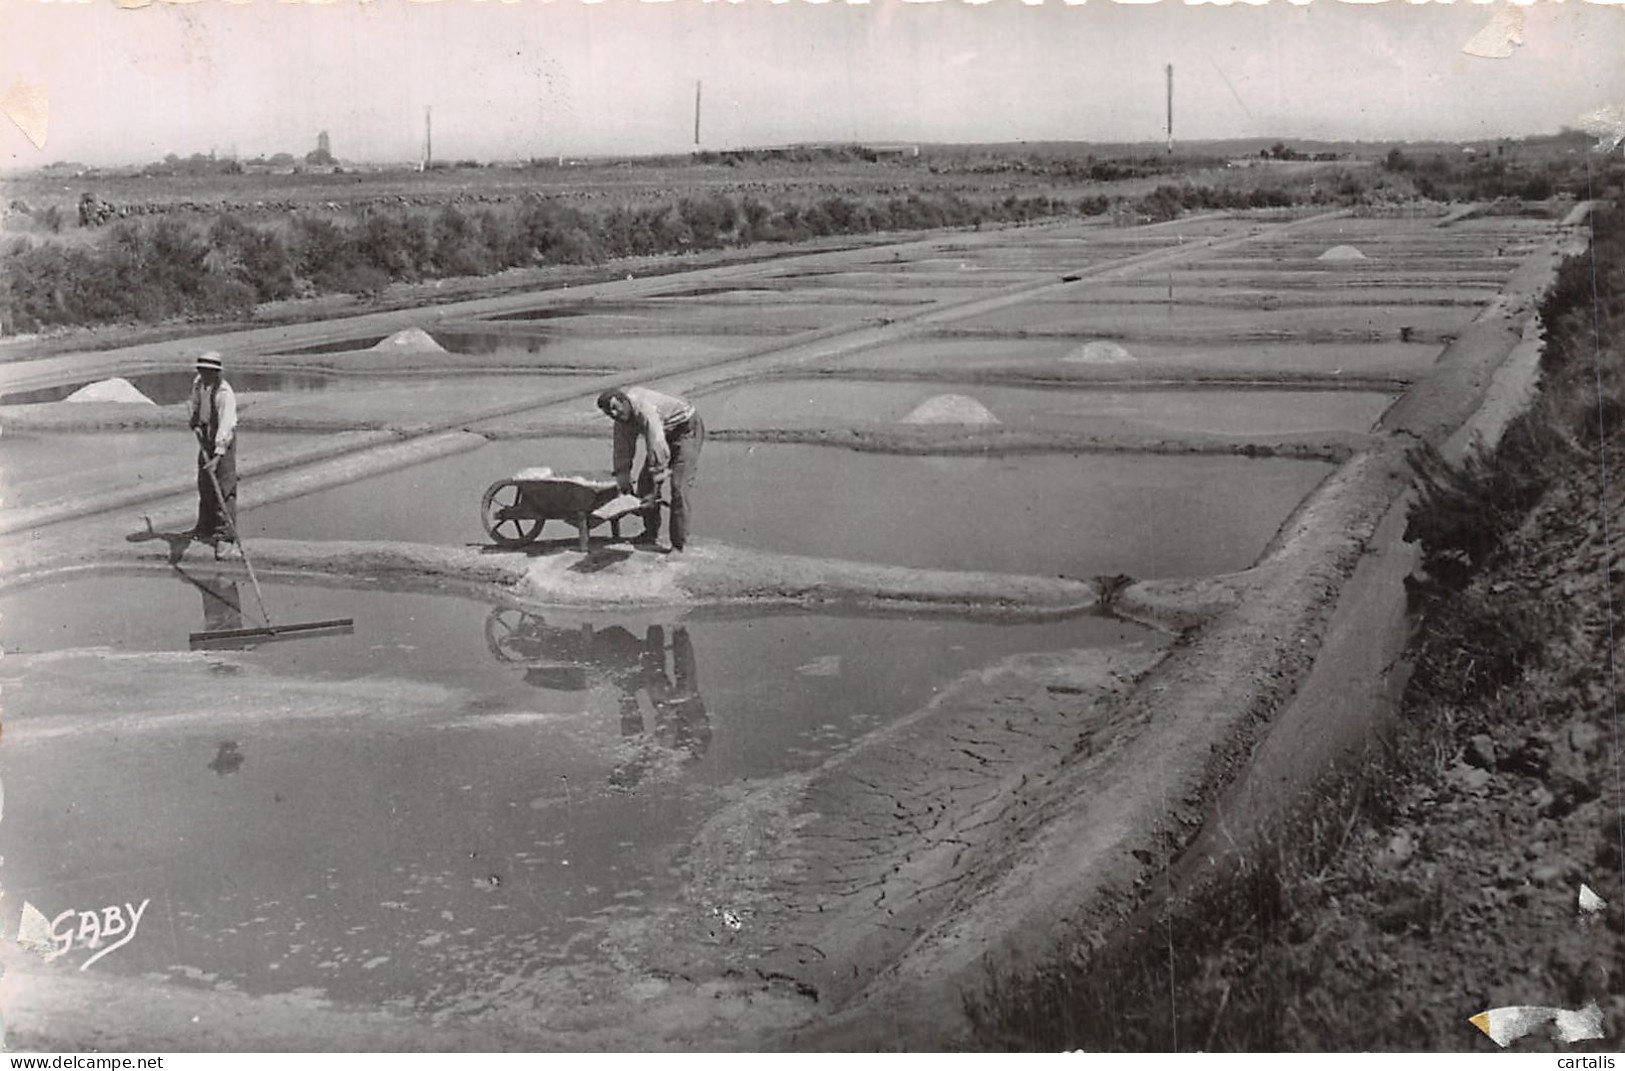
271	630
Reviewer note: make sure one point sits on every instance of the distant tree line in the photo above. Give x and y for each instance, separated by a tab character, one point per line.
146	270
1480	177
1170	202
1086	169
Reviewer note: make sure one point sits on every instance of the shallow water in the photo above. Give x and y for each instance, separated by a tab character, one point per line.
795	294
1044	514
338	346
1209	322
681	316
540	348
564	312
173	388
1258	413
429	399
532	780
169	388
945	284
950	354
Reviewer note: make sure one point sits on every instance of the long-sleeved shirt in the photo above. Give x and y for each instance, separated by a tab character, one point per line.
653	415
215	412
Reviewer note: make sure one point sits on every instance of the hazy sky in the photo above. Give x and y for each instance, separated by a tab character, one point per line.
542	77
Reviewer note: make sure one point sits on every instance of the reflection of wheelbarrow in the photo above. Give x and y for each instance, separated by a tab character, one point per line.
513	635
514	510
559	658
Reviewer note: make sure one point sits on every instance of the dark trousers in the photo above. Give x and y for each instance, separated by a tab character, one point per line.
685	466
213	522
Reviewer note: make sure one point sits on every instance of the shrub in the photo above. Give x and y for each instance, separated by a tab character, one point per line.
258	258
320	247
710	220
574	246
400	246
1163	203
459	244
755	226
1462	513
504	243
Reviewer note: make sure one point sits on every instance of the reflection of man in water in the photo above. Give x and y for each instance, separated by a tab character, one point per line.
653	680
222	604
618	654
681	722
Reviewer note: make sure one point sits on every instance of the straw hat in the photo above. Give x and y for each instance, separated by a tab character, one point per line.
209	362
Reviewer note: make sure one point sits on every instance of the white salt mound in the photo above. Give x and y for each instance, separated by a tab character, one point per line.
412	340
1342	252
1099	353
109	390
950	409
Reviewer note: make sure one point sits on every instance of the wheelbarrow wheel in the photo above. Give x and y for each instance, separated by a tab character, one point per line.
506	629
503	512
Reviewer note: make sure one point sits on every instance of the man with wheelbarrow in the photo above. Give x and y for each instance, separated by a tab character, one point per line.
672	434
212	416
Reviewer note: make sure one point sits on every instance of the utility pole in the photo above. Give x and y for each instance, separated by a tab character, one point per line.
1170	109
696	115
428	138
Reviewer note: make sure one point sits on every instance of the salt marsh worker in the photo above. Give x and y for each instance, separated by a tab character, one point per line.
212	416
672	434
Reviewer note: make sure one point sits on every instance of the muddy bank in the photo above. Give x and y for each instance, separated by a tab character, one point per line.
1006	442
552	573
827	876
984	441
45	1011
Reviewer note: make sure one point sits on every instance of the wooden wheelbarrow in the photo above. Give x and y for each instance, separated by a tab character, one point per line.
515	510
